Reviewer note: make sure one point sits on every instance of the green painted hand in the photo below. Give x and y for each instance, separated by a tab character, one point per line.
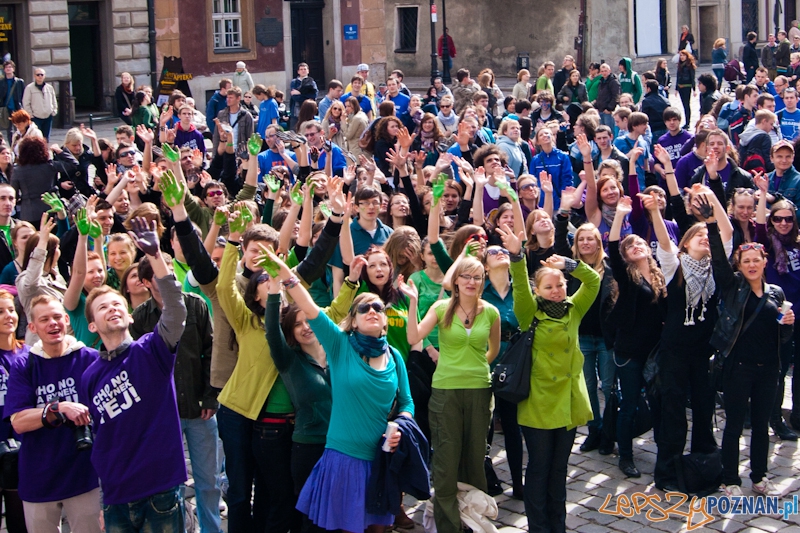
270	265
272	182
311	189
169	153
54	202
247	216
236	224
220	218
82	222
95	230
438	188
512	194
254	144
325	209
297	194
172	189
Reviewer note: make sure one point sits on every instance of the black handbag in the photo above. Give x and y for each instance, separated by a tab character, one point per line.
511	379
9	464
642	419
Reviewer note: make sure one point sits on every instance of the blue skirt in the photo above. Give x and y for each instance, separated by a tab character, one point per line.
335	494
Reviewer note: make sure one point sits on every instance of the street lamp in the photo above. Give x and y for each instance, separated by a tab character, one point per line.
434	55
445	47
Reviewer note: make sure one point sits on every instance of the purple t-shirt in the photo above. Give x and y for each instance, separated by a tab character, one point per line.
7	358
673	144
50	467
138	447
685	169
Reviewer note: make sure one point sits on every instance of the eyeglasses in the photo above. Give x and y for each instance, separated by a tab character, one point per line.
129	153
477	237
363	309
216	192
528	186
778	220
467	278
751	246
495	251
744	190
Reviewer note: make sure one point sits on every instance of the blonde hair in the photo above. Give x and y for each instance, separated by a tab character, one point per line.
73	135
468	265
596	263
719	43
658	282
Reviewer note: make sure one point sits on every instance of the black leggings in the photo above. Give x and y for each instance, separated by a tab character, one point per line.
686	97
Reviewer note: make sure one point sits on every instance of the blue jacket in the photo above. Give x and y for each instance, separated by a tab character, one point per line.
405	470
557	164
215	104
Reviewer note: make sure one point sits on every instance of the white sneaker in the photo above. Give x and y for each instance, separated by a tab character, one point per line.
731	490
766	487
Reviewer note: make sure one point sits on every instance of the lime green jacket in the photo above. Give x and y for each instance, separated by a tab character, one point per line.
558	395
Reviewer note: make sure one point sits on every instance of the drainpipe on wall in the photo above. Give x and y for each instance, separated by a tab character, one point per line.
151	23
579	38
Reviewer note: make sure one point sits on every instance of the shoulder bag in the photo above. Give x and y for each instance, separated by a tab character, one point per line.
511	379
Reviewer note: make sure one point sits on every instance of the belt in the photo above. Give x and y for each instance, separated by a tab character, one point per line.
276	420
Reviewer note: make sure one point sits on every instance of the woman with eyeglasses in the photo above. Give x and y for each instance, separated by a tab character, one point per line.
691	313
367	375
461	396
749	337
779	235
558	401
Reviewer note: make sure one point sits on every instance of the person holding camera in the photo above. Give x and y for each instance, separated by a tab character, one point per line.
138	451
45	406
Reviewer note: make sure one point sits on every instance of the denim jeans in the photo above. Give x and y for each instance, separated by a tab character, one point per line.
597	360
236	432
606	119
513	438
44	124
272	449
201	439
160	513
756	384
546	478
631	382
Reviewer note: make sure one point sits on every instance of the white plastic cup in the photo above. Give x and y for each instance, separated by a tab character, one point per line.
785	306
391	429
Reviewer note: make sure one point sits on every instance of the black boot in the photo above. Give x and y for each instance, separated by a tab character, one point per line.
628	467
783	432
592	441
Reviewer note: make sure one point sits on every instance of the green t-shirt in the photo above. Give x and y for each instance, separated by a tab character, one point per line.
429	293
544	83
462	354
80	327
190	285
7	233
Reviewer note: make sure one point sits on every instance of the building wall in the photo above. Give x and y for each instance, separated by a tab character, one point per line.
486	36
608	36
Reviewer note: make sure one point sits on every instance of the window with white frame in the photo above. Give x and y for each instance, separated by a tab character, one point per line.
227	24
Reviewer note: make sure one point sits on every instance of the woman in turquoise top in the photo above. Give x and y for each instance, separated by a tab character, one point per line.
366	376
559	401
88	272
460	405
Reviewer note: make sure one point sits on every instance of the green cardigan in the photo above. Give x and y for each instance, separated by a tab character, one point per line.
559	397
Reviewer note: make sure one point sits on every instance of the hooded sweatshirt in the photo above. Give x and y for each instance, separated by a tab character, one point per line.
516	159
190	138
630	82
755	141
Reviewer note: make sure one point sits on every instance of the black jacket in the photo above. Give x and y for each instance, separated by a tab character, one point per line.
653	105
783	55
76	170
734	291
17	90
739	178
560	78
405	470
707	101
607	93
750	56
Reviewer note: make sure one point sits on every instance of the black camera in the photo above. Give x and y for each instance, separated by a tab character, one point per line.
82	434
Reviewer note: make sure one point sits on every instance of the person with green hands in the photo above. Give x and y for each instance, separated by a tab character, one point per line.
55	203
254	144
170	153
172	189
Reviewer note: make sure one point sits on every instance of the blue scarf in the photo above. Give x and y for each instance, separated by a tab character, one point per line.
370	346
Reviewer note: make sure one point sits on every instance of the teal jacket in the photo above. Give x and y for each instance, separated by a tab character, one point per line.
630	82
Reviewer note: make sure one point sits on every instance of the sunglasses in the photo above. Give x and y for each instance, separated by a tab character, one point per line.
445	106
477	237
496	251
214	193
527	186
751	246
363	309
778	220
129	153
744	190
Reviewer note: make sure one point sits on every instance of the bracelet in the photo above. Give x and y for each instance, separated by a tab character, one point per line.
337	214
351	284
290	283
516	258
669	172
587	162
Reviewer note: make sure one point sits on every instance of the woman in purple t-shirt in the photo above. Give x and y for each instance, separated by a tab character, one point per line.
10	350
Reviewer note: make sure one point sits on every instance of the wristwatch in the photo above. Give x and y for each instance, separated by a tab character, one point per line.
52	407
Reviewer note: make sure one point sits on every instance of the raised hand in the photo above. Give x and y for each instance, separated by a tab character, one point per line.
624	206
471	249
170	154
325	209
584	146
710	163
82	221
512	242
272	182
409	289
221	215
367	163
356	267
437	185
649	201
144	133
173	190
349	174
197	158
296	194
55	203
661	154
705	209
144	236
555	261
265	260
395	159
567	197
480	178
240	219
254	144
505	187
762	182
546	182
336	197
404	139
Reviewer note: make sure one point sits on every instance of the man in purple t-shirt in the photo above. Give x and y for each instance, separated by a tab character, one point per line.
688	164
47	408
138	451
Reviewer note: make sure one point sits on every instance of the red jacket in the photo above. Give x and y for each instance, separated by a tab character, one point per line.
451	47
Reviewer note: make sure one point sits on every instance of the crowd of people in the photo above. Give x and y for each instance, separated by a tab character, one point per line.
284	284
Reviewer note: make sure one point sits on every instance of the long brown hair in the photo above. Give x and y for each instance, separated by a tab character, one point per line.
658	283
533	242
468	265
16	343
